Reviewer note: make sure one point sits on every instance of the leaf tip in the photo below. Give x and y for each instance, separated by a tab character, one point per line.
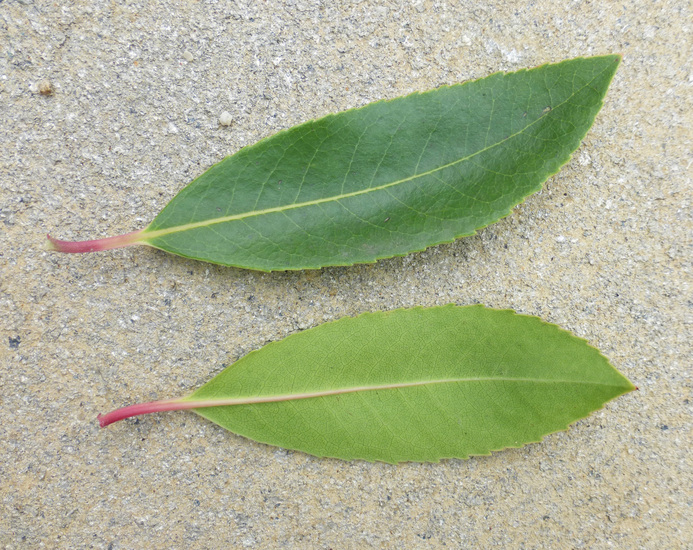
629	386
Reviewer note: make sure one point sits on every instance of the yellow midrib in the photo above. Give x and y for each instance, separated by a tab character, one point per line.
192	403
286	207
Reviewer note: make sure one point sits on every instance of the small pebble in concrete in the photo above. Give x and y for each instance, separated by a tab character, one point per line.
45	87
225	119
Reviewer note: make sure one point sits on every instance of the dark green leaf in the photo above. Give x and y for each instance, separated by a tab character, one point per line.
387	179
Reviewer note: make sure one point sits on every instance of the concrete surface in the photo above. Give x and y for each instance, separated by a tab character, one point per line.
107	109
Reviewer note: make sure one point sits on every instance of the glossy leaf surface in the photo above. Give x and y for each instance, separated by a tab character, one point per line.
384	180
408	385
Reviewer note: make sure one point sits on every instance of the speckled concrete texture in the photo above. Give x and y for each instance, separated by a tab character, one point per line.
107	109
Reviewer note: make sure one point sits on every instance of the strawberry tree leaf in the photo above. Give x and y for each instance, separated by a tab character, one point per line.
407	385
384	180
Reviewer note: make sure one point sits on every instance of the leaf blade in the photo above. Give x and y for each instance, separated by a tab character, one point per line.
398	201
412	385
389	178
414	337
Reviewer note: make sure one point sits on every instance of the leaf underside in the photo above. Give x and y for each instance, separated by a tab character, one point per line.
413	385
390	178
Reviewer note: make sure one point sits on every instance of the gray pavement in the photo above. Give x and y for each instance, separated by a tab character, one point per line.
107	109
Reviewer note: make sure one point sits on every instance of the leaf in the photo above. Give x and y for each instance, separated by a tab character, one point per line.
407	385
384	180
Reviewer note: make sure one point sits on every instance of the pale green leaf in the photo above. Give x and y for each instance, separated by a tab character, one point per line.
408	385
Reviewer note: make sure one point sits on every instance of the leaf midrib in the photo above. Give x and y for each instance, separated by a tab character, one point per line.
148	235
193	403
